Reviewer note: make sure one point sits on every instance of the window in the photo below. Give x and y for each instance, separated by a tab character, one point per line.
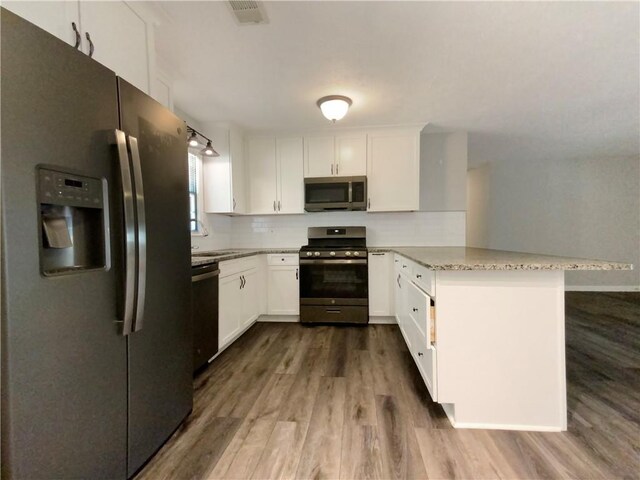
193	192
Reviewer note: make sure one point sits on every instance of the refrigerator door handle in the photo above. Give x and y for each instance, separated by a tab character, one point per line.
130	234
141	233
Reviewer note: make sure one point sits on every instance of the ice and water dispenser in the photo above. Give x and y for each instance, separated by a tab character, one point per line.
74	222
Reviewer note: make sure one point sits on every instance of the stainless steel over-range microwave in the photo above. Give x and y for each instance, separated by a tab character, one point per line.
335	193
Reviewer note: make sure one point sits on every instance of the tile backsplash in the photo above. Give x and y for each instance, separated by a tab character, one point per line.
383	229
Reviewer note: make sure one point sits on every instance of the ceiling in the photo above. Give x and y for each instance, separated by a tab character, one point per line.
526	80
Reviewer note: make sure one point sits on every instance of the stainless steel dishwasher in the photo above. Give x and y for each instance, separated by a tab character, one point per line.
204	282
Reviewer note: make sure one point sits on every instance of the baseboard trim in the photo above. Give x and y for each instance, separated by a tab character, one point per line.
382	320
279	318
501	426
602	288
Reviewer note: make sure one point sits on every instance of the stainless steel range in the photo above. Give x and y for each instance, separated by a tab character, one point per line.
334	278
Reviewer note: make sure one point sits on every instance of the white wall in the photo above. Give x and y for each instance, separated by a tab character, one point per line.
383	229
443	171
580	208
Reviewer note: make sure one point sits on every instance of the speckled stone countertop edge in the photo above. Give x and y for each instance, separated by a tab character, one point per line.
198	260
428	258
529	261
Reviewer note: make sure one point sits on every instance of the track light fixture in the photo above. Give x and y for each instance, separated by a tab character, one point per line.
193	142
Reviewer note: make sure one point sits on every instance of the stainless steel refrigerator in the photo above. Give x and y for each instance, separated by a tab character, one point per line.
96	335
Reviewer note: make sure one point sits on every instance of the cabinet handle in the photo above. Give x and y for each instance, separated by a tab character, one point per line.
296	274
234	204
369	203
398	280
274	205
414	309
420	354
86	34
337	168
278	205
378	254
418	276
332	169
242	284
75	30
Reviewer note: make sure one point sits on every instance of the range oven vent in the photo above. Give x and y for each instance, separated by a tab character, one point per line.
248	12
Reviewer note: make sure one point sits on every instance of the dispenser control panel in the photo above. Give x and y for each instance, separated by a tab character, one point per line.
60	188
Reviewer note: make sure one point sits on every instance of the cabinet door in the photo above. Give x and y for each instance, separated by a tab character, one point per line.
120	40
319	156
393	171
54	17
380	286
351	155
229	309
290	175
236	151
284	291
250	298
261	163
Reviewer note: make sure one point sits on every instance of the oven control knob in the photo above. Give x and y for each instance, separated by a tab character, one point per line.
332	254
356	254
309	254
317	254
348	254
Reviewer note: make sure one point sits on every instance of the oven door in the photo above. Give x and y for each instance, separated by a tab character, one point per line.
334	282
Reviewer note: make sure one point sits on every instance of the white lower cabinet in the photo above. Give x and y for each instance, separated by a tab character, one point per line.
229	309
250	298
239	292
380	286
415	318
283	285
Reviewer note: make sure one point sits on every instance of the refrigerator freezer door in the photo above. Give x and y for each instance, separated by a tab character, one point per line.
160	353
64	372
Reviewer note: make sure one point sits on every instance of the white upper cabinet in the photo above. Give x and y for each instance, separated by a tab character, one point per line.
289	153
319	156
341	155
114	33
393	170
275	172
120	40
351	155
223	177
261	163
54	17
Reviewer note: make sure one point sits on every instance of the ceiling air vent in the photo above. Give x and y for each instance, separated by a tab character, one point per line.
248	12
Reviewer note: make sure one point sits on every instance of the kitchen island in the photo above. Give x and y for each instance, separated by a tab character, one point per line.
484	327
491	348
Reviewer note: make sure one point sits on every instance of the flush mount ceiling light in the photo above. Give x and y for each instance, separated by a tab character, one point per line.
334	107
192	141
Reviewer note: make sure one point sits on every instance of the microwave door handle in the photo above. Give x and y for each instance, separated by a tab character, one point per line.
130	234
141	233
350	193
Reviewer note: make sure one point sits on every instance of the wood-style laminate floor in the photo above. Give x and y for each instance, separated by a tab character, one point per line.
287	401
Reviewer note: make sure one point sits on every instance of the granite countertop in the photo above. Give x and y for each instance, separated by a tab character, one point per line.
203	258
445	258
467	258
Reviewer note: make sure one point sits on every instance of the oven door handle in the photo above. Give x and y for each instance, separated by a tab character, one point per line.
339	261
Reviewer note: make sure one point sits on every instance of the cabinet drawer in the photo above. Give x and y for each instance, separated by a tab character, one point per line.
424	278
419	311
283	259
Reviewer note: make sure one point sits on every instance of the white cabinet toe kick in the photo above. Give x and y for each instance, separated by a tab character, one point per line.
489	345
